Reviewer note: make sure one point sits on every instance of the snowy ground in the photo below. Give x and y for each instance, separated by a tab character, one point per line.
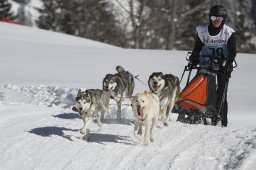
40	74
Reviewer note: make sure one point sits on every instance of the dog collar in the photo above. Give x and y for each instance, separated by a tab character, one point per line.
143	119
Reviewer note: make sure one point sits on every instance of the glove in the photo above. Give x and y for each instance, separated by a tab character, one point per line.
227	64
193	60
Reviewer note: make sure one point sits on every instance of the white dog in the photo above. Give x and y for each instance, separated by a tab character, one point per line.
146	109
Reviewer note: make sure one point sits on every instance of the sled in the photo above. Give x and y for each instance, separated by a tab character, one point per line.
191	102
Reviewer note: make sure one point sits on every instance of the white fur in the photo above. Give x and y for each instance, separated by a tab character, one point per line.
112	85
160	83
82	105
149	105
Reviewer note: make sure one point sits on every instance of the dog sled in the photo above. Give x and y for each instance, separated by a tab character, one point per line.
191	102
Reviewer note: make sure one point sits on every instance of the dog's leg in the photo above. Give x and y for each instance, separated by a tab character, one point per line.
98	120
166	120
119	103
98	117
170	107
137	125
161	114
140	129
103	106
102	115
151	129
163	108
82	130
118	100
87	121
147	132
104	109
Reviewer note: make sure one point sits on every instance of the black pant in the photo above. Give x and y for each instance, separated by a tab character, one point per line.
222	104
211	100
217	96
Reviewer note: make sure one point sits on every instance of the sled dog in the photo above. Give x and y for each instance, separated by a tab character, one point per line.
167	88
145	107
118	86
89	103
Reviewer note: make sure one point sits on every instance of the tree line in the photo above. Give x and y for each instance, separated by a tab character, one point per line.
141	24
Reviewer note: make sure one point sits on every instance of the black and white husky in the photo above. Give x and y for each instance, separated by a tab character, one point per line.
118	86
167	88
89	104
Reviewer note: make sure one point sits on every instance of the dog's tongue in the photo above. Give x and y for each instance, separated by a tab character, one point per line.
75	109
110	92
140	112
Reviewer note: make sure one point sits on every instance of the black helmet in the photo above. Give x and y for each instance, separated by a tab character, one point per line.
218	10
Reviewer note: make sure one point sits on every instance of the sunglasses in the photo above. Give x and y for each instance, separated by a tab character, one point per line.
214	18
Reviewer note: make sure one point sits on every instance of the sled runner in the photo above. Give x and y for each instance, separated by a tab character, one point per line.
191	102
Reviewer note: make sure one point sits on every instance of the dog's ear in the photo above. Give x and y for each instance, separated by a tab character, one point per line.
151	76
133	98
145	92
87	93
161	74
79	92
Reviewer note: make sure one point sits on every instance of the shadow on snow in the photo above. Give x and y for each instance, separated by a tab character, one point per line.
94	137
52	130
68	116
104	138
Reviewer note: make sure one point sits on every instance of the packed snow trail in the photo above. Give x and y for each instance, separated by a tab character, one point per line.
38	137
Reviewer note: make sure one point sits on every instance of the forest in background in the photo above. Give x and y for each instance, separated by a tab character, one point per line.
140	24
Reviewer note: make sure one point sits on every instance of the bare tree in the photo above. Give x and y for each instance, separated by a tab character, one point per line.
137	20
171	5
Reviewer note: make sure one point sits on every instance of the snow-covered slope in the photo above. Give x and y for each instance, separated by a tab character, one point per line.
40	74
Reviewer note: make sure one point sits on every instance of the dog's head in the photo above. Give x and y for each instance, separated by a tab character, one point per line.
139	102
156	82
110	83
83	101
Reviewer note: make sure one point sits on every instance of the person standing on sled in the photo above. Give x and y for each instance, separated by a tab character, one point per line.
214	52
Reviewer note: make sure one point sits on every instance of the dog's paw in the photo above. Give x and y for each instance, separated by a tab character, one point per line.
151	139
166	123
86	138
83	132
146	141
138	137
99	124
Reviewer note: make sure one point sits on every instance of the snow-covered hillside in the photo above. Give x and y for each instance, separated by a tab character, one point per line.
40	74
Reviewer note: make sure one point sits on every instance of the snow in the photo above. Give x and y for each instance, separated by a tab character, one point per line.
41	72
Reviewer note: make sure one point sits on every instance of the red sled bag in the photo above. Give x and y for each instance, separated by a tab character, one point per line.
191	102
194	95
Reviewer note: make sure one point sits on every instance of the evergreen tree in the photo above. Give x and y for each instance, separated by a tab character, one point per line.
88	19
49	15
5	10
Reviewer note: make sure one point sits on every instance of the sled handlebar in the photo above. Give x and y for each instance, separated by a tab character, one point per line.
190	65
